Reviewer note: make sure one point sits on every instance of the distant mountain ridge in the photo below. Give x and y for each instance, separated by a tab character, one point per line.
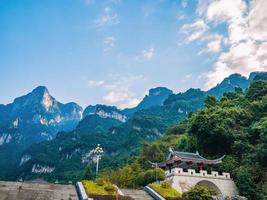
115	129
229	84
105	111
156	97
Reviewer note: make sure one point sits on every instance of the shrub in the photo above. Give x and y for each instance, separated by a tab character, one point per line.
199	193
100	182
166	185
110	188
88	174
153	175
110	197
93	188
165	190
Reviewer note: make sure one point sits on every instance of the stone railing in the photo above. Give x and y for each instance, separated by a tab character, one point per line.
192	172
81	192
153	193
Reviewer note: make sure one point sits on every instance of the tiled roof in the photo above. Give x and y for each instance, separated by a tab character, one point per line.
190	157
186	155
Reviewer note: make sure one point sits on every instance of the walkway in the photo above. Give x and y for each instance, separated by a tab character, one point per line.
137	194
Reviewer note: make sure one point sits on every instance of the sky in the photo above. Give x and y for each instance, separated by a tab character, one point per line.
113	51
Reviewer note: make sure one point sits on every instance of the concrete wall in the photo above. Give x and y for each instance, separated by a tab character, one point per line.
182	181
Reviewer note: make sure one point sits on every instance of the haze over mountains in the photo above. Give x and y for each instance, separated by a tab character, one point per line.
40	136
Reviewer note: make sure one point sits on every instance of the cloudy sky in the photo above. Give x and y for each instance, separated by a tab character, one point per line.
113	51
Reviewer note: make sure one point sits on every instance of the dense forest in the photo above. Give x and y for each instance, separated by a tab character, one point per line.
235	125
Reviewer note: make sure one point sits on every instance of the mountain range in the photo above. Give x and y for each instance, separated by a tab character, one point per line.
39	136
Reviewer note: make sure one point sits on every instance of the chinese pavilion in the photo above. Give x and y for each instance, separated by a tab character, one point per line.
180	173
178	159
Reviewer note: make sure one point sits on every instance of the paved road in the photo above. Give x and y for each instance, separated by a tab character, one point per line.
137	194
36	191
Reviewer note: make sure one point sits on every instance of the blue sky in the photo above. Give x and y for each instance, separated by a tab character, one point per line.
113	51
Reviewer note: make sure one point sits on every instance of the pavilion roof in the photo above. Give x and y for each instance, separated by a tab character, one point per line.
189	157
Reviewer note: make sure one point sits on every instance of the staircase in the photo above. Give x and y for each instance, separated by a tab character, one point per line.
137	194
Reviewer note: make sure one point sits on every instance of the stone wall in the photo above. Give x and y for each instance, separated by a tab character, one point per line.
182	181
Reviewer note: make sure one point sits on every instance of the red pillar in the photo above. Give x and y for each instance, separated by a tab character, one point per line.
189	164
200	166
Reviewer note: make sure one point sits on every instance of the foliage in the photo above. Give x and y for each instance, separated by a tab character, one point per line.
103	188
210	101
245	183
133	176
234	125
100	182
257	90
88	174
110	197
165	190
199	193
110	188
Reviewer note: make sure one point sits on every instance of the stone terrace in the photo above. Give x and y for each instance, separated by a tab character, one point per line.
32	191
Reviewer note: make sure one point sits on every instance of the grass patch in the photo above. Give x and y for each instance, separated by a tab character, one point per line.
165	190
99	187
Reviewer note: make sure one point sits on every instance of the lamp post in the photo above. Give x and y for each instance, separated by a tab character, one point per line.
155	165
98	151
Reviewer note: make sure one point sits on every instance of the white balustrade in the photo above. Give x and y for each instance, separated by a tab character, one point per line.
192	172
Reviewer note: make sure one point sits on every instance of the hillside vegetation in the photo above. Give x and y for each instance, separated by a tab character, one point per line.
235	125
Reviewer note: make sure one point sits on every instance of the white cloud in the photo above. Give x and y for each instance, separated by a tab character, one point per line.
89	2
226	10
214	44
184	3
96	83
148	54
194	30
119	90
115	1
188	76
108	44
122	98
180	16
108	18
258	20
246	38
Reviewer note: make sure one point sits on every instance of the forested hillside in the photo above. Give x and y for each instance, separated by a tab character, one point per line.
65	157
235	126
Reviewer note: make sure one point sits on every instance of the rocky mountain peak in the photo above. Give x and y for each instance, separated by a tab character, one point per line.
261	75
42	94
229	84
40	90
39	96
105	111
155	97
159	91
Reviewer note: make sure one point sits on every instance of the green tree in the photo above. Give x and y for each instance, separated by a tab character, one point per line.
257	90
210	101
246	184
199	193
261	148
88	174
153	153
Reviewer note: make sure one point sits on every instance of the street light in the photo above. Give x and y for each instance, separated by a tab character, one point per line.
155	165
98	151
